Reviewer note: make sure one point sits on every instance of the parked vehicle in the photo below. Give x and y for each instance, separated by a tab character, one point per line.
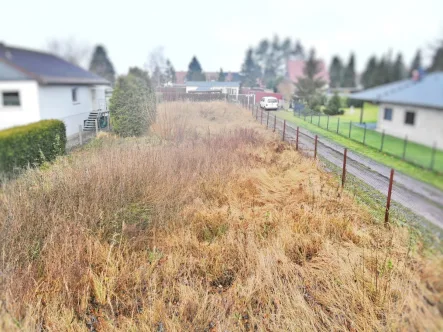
269	103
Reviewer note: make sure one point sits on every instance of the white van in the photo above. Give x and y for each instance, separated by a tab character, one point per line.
269	103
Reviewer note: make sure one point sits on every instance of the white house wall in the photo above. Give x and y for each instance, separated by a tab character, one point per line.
56	103
427	129
27	112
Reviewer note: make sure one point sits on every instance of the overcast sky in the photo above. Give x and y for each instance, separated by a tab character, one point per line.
219	32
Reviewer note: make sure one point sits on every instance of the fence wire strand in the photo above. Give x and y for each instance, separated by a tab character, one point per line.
414	202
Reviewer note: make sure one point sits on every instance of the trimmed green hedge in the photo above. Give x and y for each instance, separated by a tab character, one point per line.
31	144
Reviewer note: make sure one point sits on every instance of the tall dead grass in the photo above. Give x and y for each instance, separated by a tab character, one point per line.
208	224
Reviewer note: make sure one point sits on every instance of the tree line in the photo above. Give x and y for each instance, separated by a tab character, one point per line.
382	70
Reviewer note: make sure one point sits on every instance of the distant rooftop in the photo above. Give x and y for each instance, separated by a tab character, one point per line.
45	67
426	92
213	84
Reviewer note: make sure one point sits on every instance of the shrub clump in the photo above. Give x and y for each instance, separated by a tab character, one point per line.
133	104
31	144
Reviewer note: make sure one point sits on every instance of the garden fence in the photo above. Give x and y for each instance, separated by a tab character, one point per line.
412	201
428	157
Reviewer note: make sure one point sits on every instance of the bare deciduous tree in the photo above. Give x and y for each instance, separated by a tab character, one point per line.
156	65
71	50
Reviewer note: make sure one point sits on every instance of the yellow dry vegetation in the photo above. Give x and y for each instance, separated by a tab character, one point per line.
209	224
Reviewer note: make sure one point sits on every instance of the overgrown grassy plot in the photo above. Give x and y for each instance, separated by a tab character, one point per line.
210	223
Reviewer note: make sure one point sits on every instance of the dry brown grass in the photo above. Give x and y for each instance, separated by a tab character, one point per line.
213	225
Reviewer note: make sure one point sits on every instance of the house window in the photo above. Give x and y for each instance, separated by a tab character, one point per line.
74	95
410	118
11	98
388	114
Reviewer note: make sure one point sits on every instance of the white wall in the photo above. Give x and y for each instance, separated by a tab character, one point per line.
27	112
56	103
223	89
427	128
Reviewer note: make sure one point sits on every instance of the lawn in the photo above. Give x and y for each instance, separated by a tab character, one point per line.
392	147
370	113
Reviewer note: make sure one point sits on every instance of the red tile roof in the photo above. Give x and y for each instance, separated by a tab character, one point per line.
295	70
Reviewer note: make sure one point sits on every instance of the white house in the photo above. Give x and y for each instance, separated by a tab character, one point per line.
35	86
411	107
229	88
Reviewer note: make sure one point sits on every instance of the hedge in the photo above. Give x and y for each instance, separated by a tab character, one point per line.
31	144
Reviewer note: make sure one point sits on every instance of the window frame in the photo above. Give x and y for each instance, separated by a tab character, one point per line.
385	118
11	91
413	118
74	95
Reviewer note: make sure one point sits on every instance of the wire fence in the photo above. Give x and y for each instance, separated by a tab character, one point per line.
413	202
429	157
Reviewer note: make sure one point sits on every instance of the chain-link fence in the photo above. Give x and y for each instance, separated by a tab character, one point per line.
429	157
413	202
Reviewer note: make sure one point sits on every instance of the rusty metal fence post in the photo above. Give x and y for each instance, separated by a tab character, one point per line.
284	129
434	149
404	147
382	140
261	116
315	147
364	135
388	202
275	121
296	140
267	121
343	176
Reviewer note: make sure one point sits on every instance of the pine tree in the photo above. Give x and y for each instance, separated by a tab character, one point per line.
336	72
381	75
170	72
334	104
398	69
437	60
348	80
221	76
416	63
368	76
308	87
250	70
286	49
299	51
101	65
195	72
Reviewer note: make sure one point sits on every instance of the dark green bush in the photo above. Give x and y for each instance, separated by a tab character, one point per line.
31	144
354	102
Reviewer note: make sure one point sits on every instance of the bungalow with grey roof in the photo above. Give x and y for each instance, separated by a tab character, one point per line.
411	108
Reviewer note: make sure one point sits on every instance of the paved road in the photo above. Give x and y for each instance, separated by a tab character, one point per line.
421	198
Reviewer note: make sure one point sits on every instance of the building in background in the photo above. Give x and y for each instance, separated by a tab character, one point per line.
411	108
36	86
295	70
229	88
210	76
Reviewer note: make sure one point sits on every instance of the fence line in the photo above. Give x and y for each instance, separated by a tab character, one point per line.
363	176
414	153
